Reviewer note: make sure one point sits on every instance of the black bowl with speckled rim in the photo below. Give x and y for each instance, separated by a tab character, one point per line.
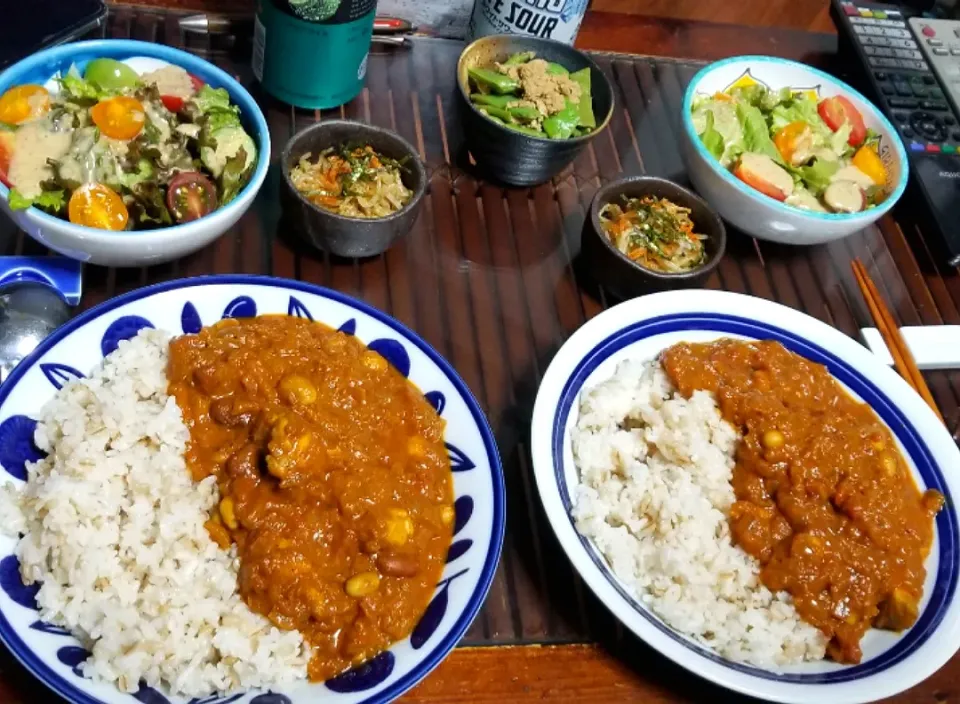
337	234
509	156
622	276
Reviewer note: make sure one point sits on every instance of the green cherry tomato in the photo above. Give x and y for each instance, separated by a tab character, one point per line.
110	74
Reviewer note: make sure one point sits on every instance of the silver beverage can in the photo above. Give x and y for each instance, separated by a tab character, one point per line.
549	19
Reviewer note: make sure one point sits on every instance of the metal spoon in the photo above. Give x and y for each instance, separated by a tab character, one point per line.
29	312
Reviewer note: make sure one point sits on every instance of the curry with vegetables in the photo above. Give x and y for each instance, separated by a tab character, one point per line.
825	501
334	479
654	232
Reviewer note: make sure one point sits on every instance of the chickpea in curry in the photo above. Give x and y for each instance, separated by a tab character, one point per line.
334	481
824	500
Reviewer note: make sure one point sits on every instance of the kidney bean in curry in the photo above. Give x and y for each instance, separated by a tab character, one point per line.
825	501
334	480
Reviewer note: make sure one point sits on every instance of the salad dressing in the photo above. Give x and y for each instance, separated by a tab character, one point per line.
34	143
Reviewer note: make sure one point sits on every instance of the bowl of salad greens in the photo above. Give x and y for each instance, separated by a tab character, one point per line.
126	153
788	153
530	105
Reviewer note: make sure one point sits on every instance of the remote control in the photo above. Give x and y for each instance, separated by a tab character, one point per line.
908	86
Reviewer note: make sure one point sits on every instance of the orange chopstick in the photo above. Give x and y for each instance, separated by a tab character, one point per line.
902	357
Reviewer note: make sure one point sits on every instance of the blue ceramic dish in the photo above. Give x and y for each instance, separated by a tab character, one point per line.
184	306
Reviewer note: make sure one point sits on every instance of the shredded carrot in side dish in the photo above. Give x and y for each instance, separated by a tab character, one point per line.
354	182
654	232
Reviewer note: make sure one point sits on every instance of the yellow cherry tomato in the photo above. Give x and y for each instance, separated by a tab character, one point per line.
119	118
96	205
788	139
24	103
869	162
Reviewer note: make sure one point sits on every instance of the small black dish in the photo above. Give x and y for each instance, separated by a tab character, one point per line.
509	156
343	236
621	275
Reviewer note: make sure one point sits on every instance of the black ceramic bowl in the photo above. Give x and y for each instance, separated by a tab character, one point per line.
512	157
343	236
620	274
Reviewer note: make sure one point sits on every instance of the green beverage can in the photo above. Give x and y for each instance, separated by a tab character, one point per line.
312	53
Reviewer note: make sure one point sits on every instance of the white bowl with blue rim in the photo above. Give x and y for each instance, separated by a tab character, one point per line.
142	247
184	306
748	209
640	329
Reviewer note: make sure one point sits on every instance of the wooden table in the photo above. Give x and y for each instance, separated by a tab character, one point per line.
489	277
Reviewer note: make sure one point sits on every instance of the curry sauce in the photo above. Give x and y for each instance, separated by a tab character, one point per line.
334	480
825	501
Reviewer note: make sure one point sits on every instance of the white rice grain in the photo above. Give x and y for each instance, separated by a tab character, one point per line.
654	497
112	526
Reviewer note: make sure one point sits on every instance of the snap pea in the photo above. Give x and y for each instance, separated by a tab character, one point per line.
497	101
529	131
525	113
560	125
502	102
556	69
521	57
585	106
500	113
493	81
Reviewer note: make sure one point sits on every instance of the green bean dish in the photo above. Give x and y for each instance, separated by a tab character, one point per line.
535	97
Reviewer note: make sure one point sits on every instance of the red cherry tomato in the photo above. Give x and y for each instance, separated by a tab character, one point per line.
173	103
837	111
6	153
190	196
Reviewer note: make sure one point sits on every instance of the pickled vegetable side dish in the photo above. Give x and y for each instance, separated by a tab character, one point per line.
535	97
656	233
116	150
353	181
814	155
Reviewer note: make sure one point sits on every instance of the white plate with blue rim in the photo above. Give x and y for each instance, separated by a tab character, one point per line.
640	329
183	306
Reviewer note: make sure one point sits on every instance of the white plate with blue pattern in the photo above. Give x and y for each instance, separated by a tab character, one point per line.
641	329
184	306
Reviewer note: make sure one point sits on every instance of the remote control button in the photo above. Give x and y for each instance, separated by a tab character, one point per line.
948	120
903	103
900	116
920	90
912	65
880	75
955	52
934	42
928	31
888	90
916	147
949	149
907	132
933	105
903	88
880	14
907	54
929	80
955	136
940	52
933	148
850	9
